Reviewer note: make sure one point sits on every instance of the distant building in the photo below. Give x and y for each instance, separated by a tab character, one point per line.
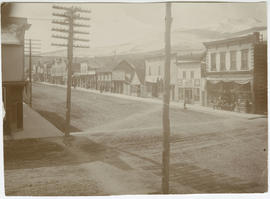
104	79
137	82
86	76
59	71
122	75
154	76
236	73
189	79
13	82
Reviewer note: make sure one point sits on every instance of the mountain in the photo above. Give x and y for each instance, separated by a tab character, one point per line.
183	39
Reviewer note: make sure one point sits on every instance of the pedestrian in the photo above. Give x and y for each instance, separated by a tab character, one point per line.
185	103
247	104
238	103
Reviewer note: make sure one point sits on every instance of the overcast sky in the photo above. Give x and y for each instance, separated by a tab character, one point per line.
115	23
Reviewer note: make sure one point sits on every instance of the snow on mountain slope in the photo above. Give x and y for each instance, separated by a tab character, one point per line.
182	38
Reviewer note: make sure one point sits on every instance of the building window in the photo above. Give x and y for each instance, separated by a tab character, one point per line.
196	93
244	59
191	74
222	61
213	62
184	74
233	60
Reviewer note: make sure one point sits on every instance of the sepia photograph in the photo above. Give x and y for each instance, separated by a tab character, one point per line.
134	98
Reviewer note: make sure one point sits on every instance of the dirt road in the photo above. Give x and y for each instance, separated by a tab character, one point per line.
118	145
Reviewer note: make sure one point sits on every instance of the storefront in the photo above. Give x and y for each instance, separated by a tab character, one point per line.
230	94
189	91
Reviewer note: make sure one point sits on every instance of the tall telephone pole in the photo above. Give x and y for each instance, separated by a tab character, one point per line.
31	48
70	19
166	103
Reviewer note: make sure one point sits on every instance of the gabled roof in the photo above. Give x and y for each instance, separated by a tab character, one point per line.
139	66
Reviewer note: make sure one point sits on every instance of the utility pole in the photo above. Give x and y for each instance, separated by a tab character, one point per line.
166	103
30	44
71	16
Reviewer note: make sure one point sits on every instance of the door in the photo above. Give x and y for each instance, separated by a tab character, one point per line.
188	95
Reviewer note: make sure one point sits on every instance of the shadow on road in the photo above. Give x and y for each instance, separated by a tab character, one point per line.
58	121
58	151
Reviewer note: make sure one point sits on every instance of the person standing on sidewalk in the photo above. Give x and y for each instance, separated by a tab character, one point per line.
185	103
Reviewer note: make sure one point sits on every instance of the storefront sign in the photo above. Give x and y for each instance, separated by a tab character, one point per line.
189	83
180	82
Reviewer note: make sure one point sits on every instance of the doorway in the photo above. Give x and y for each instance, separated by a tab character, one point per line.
188	95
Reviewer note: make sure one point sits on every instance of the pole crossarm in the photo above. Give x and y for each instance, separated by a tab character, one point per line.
60	37
35	44
33	52
71	15
78	17
74	46
32	40
61	15
81	32
66	31
78	9
60	22
81	25
33	47
60	30
73	8
66	38
80	39
80	46
62	45
61	7
35	55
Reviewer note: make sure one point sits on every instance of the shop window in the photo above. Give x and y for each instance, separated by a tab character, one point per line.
180	94
197	94
233	60
213	62
222	61
244	59
191	74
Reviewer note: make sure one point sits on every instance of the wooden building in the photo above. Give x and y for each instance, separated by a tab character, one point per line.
122	75
104	79
137	82
154	76
13	81
189	79
236	74
86	77
59	71
127	77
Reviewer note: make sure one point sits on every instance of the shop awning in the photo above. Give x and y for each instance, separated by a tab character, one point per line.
238	80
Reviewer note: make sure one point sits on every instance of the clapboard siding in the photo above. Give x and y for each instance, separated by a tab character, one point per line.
260	77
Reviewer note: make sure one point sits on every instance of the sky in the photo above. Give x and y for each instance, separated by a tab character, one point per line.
114	24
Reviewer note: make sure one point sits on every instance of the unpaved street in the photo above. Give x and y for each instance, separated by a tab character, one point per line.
117	147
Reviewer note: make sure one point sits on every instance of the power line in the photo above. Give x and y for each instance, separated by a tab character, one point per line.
28	51
67	19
